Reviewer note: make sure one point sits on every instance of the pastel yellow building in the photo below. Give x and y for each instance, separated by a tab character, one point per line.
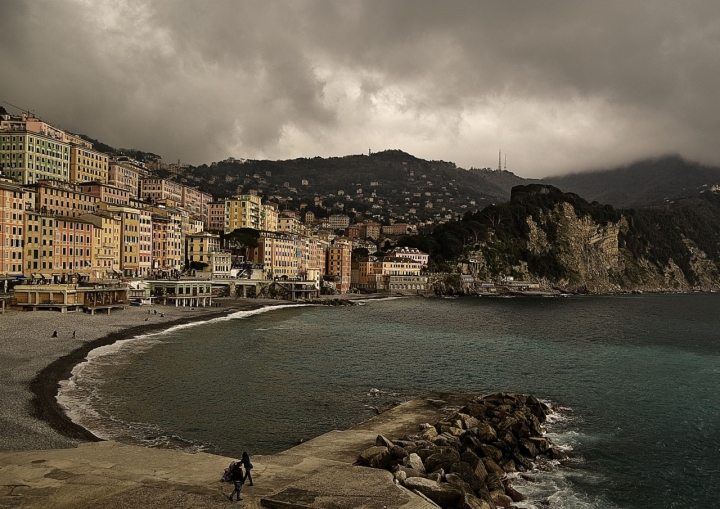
204	251
269	217
106	243
62	198
131	264
86	164
278	253
243	211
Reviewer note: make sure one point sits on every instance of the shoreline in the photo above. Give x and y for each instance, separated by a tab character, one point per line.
32	363
44	405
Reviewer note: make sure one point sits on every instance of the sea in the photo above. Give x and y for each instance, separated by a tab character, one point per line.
635	381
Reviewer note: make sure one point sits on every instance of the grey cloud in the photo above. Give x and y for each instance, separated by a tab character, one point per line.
561	86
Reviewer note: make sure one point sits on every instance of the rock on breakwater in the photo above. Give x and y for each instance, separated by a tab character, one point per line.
463	461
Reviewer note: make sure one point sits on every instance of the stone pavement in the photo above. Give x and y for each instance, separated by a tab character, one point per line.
316	474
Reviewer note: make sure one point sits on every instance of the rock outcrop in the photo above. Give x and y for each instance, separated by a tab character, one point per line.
465	460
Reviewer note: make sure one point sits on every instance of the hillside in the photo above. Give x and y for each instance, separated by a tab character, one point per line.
564	242
384	185
650	182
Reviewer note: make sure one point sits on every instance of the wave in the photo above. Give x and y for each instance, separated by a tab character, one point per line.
80	395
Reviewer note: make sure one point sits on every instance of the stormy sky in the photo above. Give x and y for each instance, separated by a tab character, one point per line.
559	86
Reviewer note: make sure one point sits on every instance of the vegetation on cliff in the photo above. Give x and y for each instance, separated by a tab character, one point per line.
563	241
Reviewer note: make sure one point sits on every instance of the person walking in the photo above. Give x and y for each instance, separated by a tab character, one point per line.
236	476
54	334
248	466
74	334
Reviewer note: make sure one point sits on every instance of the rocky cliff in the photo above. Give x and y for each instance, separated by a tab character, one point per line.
563	242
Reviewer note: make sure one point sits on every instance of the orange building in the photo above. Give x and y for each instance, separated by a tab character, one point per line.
339	255
107	193
12	215
61	198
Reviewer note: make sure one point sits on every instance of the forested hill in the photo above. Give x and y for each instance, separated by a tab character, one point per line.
650	182
559	239
386	182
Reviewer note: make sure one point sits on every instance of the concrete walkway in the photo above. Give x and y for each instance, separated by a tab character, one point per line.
316	474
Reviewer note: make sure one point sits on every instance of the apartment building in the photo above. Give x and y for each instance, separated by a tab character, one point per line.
411	253
167	239
125	173
269	217
12	219
156	190
217	217
135	244
73	247
106	243
388	274
62	198
39	245
204	248
288	222
107	193
31	150
339	255
86	164
278	253
243	211
338	221
195	202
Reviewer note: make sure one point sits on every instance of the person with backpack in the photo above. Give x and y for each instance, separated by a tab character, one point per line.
248	466
237	477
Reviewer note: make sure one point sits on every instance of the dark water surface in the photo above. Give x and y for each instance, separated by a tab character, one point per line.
640	375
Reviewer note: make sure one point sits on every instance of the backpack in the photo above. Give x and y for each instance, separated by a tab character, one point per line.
227	475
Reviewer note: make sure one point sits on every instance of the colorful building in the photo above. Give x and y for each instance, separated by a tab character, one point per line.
62	198
86	164
12	223
339	255
31	150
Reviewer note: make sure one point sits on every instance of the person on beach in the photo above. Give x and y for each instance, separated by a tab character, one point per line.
54	334
236	476
74	334
248	466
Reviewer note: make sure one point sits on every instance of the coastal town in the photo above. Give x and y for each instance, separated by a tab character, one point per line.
82	229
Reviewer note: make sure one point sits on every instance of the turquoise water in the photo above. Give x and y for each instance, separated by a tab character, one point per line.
639	377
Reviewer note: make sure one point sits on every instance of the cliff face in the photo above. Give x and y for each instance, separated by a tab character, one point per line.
563	242
595	262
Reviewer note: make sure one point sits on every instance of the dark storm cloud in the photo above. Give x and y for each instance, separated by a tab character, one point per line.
559	86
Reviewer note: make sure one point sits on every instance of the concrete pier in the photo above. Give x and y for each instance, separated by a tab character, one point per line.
316	474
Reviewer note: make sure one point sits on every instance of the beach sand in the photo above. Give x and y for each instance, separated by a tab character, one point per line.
32	362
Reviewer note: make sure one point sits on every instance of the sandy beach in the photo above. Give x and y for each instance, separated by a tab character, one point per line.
32	362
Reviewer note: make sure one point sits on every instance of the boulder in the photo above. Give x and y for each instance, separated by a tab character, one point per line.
375	457
444	495
475	463
493	468
398	452
541	443
441	460
486	433
413	461
528	447
426	452
381	441
501	499
456	480
409	472
465	472
470	422
428	433
494	483
507	465
475	410
557	454
491	452
437	475
521	459
400	476
514	494
469	501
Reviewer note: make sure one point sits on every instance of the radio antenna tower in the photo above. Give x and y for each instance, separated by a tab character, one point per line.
500	160
505	162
